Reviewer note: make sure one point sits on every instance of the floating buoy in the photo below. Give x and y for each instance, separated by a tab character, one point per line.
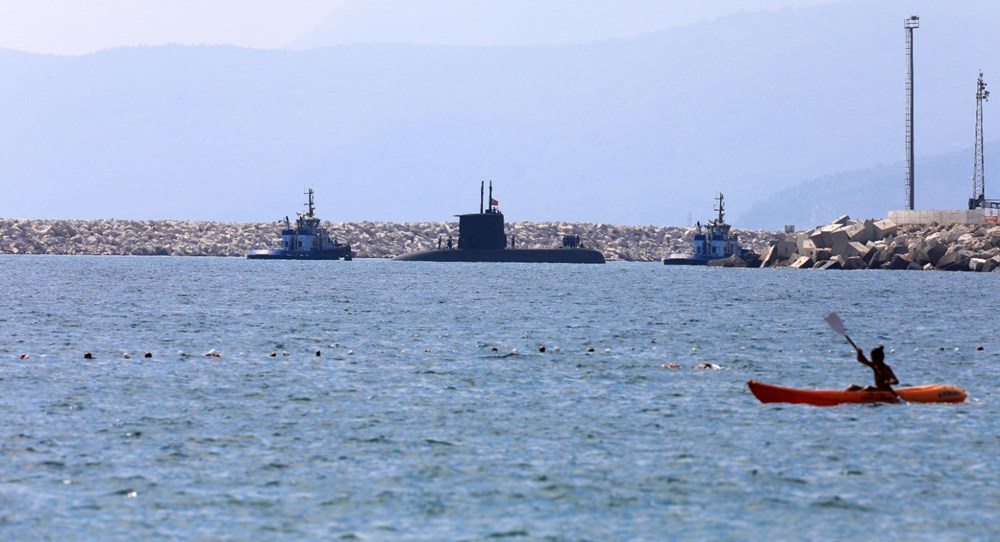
541	349
980	348
24	356
147	355
707	365
318	353
127	356
671	365
591	349
213	353
88	355
495	349
274	354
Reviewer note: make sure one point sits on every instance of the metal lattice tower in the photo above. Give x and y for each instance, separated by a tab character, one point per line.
909	24
978	169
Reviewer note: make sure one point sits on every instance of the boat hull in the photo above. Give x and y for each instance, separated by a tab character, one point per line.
687	260
507	255
929	393
338	254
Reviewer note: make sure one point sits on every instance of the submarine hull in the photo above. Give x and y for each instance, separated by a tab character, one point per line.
513	255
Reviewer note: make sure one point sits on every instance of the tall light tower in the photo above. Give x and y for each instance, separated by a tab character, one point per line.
978	171
909	25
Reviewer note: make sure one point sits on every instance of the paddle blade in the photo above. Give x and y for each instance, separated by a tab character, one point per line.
836	323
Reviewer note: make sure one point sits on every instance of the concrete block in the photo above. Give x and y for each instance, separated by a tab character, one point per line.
821	254
784	249
854	263
884	228
977	264
843	220
818	239
830	265
837	240
802	262
768	258
861	232
805	245
862	251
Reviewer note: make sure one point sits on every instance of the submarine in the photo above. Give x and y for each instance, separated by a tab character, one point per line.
481	238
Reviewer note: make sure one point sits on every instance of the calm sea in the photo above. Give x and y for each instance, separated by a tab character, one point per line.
431	413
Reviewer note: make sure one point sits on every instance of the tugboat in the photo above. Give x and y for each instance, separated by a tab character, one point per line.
712	242
305	241
481	238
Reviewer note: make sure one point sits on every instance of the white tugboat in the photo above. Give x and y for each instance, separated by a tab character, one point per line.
307	240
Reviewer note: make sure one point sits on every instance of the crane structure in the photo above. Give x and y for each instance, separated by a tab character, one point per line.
978	199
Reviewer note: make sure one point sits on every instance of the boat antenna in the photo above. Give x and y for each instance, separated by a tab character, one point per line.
721	209
491	195
481	184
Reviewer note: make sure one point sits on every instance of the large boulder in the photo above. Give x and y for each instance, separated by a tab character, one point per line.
935	252
899	262
992	264
953	260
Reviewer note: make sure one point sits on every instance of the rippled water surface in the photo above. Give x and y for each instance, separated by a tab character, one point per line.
431	412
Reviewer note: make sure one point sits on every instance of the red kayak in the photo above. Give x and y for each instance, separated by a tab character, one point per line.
929	393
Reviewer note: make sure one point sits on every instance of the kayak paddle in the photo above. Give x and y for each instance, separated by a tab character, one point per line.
837	325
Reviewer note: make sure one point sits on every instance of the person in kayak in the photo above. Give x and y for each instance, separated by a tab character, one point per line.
884	377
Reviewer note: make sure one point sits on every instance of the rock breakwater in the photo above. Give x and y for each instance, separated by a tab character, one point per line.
368	239
882	244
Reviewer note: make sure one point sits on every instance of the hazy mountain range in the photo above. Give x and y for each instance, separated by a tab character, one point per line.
777	110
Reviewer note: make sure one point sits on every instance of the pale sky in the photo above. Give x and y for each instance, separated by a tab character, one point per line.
74	27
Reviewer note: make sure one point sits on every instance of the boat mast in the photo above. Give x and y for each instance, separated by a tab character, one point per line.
491	195
721	209
310	205
481	185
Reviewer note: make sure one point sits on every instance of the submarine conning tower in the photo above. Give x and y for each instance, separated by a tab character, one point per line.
483	230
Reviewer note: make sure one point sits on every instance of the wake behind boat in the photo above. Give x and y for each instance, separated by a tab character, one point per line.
307	240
